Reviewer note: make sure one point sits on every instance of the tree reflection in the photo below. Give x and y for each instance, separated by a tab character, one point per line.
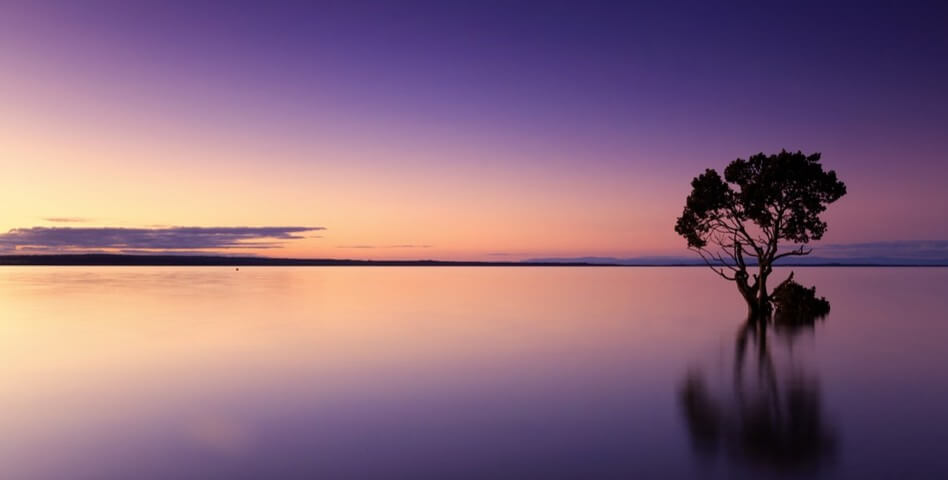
764	419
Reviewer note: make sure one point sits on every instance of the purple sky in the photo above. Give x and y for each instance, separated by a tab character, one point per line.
583	116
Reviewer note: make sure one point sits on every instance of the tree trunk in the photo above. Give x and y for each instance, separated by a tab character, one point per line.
750	296
763	298
753	311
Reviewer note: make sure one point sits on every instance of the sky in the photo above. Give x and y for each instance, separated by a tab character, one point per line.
455	130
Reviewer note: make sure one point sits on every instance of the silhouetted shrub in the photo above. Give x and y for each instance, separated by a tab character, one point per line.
797	305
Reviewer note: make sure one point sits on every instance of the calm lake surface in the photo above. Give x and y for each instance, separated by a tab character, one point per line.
378	372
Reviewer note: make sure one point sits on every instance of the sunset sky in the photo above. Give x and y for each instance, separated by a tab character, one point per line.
453	130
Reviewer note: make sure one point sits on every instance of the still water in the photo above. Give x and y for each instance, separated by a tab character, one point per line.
377	372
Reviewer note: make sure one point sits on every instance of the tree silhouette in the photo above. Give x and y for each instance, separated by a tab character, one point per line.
748	217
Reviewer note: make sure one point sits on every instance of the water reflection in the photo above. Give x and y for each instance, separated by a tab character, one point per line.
763	416
207	373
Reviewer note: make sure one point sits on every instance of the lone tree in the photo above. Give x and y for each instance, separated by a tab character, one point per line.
766	208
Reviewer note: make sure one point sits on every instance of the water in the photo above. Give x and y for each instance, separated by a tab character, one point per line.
207	373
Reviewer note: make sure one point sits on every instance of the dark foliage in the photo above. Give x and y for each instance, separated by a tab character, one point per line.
798	306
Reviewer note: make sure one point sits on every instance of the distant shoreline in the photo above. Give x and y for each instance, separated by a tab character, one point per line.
91	260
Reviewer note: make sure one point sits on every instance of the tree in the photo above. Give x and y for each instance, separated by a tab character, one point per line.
751	215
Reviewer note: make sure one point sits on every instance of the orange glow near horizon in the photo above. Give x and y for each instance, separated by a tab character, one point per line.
467	211
108	120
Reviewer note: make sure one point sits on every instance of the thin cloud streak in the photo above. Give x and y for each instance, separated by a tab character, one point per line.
67	219
172	239
384	246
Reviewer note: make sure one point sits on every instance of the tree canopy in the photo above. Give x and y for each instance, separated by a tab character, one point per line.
748	217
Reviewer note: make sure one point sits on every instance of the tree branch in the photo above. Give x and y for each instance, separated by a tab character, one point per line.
715	268
799	252
788	280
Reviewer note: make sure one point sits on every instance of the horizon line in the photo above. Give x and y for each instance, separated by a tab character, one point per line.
166	259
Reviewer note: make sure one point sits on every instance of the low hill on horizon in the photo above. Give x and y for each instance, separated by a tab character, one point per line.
790	261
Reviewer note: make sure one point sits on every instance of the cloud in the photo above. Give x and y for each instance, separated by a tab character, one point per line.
173	239
914	249
904	252
66	219
384	246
